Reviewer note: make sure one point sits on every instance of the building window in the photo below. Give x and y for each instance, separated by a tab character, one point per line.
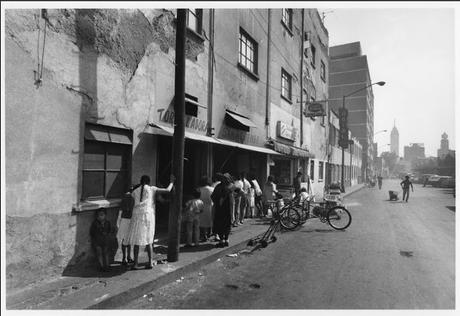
247	52
321	171
194	20
191	105
312	170
287	19
323	71
313	56
106	162
286	85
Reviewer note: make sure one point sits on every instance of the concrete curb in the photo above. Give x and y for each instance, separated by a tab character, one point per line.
354	191
131	294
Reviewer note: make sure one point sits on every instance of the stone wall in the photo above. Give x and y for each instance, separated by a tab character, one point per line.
112	67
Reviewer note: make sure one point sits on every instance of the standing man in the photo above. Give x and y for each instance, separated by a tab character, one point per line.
297	183
379	179
405	186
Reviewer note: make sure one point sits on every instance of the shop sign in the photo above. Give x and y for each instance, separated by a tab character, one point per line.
190	121
313	109
285	131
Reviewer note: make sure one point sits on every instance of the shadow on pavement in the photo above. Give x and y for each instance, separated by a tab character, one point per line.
92	272
202	247
451	208
319	230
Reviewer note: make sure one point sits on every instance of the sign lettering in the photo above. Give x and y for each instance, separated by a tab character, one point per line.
190	121
286	131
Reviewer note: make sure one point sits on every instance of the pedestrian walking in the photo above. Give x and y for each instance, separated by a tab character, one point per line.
379	180
206	217
405	186
142	225
193	209
297	183
124	218
100	231
223	200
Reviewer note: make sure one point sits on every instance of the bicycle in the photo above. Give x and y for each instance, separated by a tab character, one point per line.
284	216
329	210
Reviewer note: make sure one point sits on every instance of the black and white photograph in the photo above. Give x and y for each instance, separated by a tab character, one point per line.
221	157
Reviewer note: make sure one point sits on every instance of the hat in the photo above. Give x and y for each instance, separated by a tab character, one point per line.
225	176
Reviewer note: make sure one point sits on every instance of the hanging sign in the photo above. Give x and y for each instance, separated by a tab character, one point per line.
313	109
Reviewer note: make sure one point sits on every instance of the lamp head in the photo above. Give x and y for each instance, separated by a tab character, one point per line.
381	83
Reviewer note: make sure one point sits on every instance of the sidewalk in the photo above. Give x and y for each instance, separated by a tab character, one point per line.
115	288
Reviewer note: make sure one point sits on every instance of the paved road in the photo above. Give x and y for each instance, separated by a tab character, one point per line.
395	255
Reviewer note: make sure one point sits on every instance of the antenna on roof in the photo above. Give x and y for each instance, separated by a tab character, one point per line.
323	15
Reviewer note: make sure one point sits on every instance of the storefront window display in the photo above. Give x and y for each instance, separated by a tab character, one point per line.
282	171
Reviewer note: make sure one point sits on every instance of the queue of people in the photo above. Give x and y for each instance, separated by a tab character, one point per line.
212	211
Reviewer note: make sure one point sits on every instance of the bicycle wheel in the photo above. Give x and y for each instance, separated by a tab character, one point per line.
338	217
289	218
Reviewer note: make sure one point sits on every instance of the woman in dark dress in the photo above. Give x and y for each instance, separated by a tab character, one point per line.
223	200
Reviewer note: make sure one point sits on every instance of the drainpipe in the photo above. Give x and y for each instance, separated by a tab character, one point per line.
210	89
268	91
301	78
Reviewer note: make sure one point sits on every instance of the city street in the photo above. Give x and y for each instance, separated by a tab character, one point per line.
395	255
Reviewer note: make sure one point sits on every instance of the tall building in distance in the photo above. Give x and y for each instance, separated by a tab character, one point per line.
348	72
414	151
444	150
394	140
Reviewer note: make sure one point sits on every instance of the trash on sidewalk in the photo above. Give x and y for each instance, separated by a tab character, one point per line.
180	280
245	251
101	298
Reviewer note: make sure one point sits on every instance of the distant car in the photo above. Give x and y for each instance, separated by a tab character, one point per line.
432	179
437	183
448	182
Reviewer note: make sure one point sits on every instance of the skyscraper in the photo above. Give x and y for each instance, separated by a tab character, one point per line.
394	142
349	72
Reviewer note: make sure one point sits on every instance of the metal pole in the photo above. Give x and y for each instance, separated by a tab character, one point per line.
267	93
178	140
343	154
210	162
301	78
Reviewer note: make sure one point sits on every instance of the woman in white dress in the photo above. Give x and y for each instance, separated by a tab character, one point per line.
142	225
206	217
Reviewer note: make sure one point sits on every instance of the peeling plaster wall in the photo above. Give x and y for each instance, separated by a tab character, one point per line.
112	67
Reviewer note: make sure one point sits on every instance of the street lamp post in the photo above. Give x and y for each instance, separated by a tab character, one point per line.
380	83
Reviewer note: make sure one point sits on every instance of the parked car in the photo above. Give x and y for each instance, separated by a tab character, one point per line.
448	182
432	179
437	183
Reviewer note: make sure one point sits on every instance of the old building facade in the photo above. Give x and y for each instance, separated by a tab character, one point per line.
349	72
90	106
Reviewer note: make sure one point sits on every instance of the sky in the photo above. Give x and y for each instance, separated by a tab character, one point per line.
412	50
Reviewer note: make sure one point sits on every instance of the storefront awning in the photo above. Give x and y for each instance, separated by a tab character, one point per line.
291	150
169	131
107	134
248	147
240	119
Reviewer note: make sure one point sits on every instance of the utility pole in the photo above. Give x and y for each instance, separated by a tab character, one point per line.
178	140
